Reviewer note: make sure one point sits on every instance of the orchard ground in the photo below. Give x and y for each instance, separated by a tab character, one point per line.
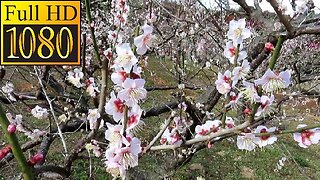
223	161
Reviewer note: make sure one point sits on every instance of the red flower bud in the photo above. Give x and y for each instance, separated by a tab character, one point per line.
247	111
4	151
12	128
269	47
35	159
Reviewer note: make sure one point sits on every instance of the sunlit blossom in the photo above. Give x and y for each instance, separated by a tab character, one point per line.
307	137
114	135
249	91
265	103
125	57
93	116
272	82
39	112
240	72
207	128
133	91
246	141
223	83
115	107
266	139
144	41
230	52
75	76
238	31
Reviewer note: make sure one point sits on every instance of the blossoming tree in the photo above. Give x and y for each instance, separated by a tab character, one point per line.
104	99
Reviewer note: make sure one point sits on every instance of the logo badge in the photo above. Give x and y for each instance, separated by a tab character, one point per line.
40	32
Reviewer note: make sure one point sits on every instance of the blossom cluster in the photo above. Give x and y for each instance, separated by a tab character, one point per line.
258	92
17	124
124	103
174	132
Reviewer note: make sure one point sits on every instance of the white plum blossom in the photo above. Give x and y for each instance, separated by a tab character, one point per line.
125	157
265	103
229	123
234	100
114	135
119	75
114	166
115	37
182	124
8	89
35	134
240	72
74	77
144	41
17	120
92	88
223	83
267	139
108	53
133	91
125	59
121	18
307	137
301	6
93	116
207	128
201	46
247	141
238	31
115	107
94	147
249	91
129	155
171	136
151	17
230	52
134	117
272	82
39	112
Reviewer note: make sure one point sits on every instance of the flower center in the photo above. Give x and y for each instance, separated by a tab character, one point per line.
238	32
232	51
264	130
114	171
128	160
119	105
227	79
133	120
115	138
124	59
306	135
203	132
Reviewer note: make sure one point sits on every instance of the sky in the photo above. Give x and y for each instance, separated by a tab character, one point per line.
264	4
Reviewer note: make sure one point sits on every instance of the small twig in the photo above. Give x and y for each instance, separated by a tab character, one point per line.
281	17
157	136
203	138
52	110
15	146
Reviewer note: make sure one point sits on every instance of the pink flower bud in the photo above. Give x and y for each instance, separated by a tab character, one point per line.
209	145
35	159
269	47
38	157
12	128
2	155
247	111
4	151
